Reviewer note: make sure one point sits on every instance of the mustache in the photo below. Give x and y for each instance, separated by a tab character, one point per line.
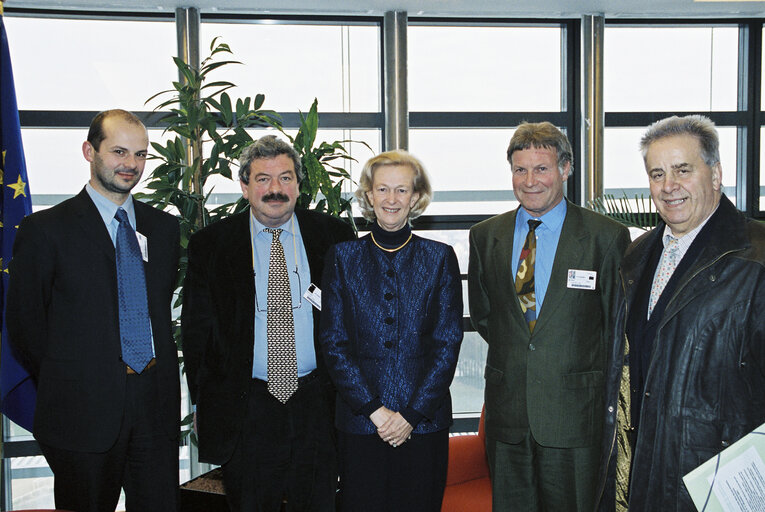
275	196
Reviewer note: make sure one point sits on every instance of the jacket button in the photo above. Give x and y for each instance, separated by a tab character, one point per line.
388	296
743	364
388	344
712	278
724	444
610	408
389	320
243	395
390	273
532	347
647	394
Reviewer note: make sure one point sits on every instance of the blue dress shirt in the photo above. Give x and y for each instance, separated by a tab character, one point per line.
548	234
108	209
300	278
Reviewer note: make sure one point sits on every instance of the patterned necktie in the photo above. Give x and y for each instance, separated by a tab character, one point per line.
280	328
524	278
135	326
667	266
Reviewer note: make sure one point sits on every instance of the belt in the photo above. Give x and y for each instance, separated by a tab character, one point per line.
131	371
305	379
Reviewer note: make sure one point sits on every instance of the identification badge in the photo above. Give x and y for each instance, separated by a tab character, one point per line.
143	243
313	295
581	279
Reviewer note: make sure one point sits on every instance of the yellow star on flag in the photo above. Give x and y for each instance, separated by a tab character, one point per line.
18	188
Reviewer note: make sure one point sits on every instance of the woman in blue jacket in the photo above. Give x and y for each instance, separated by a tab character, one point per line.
391	329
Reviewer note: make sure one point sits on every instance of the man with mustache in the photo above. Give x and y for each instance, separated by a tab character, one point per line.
88	311
250	329
690	333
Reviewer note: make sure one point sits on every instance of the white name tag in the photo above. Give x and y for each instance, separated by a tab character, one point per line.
313	295
581	279
143	243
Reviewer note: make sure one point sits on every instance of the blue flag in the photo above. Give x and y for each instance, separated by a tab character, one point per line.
17	389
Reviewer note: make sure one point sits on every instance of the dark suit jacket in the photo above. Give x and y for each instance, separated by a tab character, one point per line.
218	321
63	320
392	329
551	382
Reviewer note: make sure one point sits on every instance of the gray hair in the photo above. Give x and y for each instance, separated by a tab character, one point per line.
269	146
395	157
697	126
542	135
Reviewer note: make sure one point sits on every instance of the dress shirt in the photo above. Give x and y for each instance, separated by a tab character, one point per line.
548	234
300	279
107	208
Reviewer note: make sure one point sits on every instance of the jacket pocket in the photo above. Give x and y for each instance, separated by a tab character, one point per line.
583	380
492	375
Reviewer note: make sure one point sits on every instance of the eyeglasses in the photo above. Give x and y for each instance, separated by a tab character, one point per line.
294	307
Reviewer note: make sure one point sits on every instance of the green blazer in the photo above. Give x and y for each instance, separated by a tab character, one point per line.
551	381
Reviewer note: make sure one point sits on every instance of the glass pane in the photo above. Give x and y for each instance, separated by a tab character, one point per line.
466	182
458	239
624	171
55	166
82	65
293	64
481	68
31	483
467	386
670	68
762	170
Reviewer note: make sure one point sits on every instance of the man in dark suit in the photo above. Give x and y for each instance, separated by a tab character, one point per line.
541	294
687	374
250	336
91	282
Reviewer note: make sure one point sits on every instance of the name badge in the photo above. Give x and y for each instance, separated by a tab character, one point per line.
313	295
143	243
581	279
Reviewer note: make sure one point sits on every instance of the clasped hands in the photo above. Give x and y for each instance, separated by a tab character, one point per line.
391	426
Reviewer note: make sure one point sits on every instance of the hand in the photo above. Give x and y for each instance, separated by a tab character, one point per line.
396	430
380	416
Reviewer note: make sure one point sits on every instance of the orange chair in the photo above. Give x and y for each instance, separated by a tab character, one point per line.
468	487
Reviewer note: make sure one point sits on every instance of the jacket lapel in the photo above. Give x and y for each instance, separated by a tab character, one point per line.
502	256
92	225
241	280
572	247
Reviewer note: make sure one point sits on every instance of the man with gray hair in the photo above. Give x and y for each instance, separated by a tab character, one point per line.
264	401
692	322
542	285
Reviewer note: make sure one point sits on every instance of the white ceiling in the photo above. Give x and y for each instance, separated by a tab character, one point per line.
448	8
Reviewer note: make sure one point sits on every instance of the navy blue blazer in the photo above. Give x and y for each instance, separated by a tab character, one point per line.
391	328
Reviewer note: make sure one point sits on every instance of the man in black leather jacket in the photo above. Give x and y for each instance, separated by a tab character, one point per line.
687	377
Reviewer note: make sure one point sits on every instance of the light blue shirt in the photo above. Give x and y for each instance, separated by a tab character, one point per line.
300	278
108	209
548	234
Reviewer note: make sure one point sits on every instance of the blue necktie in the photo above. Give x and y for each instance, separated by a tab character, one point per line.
135	327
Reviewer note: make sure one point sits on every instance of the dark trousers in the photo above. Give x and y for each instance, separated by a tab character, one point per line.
144	461
286	451
375	477
529	477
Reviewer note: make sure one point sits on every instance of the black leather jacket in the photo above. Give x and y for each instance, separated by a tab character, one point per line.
705	386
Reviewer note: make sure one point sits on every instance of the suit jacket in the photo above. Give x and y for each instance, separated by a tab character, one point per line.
392	329
218	321
63	320
551	381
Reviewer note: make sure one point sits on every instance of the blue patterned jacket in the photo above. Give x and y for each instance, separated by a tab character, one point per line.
391	328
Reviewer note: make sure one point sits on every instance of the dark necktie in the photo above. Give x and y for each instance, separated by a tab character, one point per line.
280	327
135	326
524	278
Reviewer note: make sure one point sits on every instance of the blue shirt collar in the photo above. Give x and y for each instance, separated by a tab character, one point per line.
291	226
107	208
552	220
